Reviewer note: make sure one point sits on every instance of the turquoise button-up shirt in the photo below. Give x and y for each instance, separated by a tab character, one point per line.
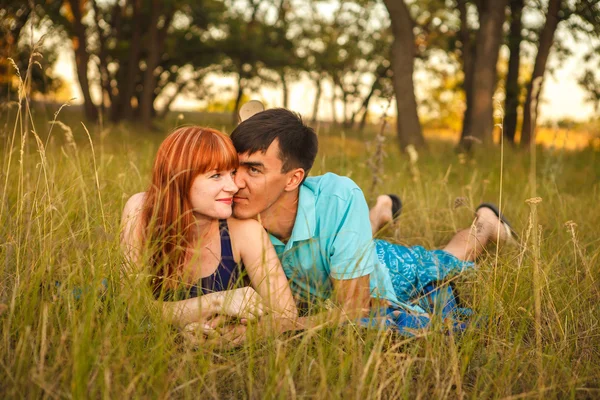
331	238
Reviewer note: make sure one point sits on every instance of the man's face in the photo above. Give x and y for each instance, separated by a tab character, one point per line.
260	180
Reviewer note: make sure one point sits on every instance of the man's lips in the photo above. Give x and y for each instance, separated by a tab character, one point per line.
226	201
238	199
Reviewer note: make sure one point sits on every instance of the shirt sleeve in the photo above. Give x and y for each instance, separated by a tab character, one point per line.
351	248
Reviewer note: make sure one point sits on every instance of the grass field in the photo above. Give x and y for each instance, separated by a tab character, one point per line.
62	193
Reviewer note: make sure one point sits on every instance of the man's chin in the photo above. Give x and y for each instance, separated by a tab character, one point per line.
241	214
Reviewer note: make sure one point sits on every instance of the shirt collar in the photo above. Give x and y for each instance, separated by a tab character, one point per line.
304	225
305	222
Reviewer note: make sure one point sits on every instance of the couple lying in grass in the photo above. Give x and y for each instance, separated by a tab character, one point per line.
224	213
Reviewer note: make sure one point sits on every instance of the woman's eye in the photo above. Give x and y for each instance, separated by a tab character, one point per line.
215	176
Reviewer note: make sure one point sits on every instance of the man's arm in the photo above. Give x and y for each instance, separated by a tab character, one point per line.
348	243
352	296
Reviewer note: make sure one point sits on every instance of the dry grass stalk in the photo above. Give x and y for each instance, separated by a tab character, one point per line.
537	287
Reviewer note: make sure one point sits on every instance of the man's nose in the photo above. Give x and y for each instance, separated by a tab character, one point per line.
239	179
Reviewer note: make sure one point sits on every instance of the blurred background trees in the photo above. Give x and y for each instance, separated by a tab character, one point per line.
135	58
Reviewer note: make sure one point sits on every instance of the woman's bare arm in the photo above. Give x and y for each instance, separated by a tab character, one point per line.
264	269
179	313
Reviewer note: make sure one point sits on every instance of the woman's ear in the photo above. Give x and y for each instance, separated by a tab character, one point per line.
295	178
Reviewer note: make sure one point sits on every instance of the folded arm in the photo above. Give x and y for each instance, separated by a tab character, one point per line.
183	312
264	268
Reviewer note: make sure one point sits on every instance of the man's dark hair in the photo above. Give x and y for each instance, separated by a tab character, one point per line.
298	142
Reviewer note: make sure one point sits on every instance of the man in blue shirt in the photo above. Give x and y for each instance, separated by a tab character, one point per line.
320	225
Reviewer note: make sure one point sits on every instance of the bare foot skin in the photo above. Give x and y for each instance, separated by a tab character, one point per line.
469	243
488	221
381	213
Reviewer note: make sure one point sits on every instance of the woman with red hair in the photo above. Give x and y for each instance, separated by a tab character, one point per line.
181	233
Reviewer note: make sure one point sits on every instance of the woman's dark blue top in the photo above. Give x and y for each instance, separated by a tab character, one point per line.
225	277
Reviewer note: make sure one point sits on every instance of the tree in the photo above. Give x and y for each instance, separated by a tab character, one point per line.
17	22
512	87
331	48
402	63
257	48
288	64
533	93
478	122
79	38
591	84
163	13
583	19
132	51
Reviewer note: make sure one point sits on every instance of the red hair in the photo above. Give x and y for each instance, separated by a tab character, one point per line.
167	214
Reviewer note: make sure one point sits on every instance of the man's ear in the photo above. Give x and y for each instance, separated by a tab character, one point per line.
295	178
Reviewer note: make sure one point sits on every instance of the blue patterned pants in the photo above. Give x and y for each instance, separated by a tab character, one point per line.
413	268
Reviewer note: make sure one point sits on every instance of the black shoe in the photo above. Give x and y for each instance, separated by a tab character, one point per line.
396	205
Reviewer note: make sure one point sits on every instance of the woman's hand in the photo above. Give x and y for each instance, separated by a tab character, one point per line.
214	333
243	303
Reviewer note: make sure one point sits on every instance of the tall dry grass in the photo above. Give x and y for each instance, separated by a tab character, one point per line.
68	329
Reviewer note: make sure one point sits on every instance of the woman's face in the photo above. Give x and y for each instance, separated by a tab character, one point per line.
212	193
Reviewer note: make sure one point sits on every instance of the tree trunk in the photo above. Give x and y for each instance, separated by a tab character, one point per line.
546	41
403	53
363	121
121	107
333	99
81	60
479	116
285	88
380	73
238	100
154	52
345	120
511	102
317	99
468	55
365	107
102	64
179	86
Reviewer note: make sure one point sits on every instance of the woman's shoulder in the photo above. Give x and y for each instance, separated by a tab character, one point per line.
134	204
131	227
136	200
247	236
243	225
132	208
245	231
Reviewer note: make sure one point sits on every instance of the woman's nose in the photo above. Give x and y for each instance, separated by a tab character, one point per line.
230	186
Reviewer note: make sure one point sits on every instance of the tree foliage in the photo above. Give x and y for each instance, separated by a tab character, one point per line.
18	21
134	58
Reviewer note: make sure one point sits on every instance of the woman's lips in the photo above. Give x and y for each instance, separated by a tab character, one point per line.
226	201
